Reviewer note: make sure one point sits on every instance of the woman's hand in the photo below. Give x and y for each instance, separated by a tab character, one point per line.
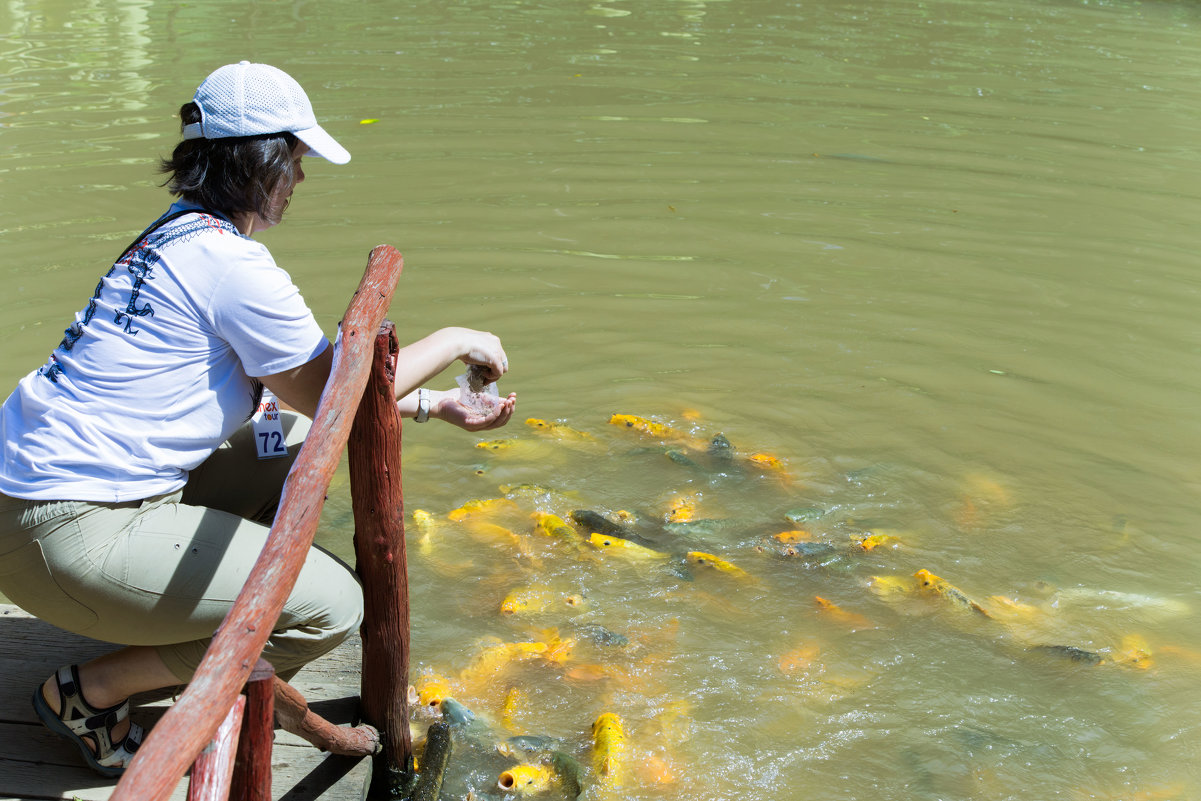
484	349
445	406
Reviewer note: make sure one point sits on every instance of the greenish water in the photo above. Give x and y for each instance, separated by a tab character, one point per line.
937	257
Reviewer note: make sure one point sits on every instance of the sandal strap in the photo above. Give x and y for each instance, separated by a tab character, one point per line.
81	718
123	753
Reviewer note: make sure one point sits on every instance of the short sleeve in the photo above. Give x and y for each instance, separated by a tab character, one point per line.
259	311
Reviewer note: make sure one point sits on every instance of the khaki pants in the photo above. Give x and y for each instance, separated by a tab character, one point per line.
164	571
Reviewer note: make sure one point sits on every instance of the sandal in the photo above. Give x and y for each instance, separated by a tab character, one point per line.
89	727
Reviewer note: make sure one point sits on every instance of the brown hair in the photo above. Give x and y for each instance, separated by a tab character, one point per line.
230	176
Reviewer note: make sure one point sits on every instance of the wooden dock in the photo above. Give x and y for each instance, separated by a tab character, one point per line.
36	765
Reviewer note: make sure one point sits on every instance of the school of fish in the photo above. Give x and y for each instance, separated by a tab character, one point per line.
546	635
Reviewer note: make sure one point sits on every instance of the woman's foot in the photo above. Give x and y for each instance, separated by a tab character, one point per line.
106	738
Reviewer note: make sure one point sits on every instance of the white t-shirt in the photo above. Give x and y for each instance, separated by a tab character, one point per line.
156	371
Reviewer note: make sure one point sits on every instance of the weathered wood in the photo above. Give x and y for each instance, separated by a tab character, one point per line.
382	563
251	780
37	764
293	714
188	726
214	766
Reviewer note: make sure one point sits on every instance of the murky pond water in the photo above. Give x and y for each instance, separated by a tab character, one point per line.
937	258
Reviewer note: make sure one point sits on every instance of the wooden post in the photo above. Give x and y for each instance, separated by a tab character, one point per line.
214	767
252	769
379	545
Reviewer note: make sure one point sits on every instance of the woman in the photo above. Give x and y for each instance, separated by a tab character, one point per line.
134	500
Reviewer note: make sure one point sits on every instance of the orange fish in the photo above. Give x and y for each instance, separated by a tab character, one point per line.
852	620
799	659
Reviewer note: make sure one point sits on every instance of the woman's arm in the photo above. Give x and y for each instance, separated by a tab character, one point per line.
300	388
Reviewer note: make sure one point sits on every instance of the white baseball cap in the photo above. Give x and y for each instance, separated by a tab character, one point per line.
247	99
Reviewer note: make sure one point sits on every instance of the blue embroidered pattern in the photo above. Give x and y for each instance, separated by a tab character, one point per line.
139	260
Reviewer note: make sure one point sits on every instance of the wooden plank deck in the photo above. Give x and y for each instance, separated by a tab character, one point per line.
36	765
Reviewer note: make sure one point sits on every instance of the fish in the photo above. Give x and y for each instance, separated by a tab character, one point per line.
1133	652
608	750
800	658
852	620
527	600
455	712
504	444
431	689
892	586
765	461
795	535
626	548
554	526
495	657
930	583
709	560
647	426
1069	652
595	521
870	542
481	507
682	509
558	430
526	779
516	700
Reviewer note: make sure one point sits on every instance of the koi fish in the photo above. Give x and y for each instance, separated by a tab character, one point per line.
481	507
930	583
683	509
628	549
526	600
709	560
851	619
497	656
891	586
608	749
558	430
796	535
595	521
553	526
516	699
646	426
432	689
765	461
870	542
800	658
1133	652
526	779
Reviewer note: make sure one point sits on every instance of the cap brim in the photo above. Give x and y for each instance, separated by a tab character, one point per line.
322	144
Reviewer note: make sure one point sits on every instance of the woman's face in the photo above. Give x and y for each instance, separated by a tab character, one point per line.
253	223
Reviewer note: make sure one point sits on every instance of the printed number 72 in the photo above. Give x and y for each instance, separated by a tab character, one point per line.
268	436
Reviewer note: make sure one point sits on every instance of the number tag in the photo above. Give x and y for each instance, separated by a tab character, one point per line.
268	429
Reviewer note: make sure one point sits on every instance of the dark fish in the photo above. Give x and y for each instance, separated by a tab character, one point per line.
1069	652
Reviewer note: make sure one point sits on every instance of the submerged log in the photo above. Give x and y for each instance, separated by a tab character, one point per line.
382	564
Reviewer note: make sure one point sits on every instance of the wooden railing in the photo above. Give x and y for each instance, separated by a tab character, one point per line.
192	722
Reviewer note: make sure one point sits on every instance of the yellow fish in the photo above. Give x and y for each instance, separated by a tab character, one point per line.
526	779
683	509
930	583
516	701
497	444
630	550
870	542
766	461
481	507
526	600
558	430
1134	652
432	688
496	657
608	750
889	586
796	535
554	526
709	560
